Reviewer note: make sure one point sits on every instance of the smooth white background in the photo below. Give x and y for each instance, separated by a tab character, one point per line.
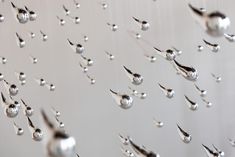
88	111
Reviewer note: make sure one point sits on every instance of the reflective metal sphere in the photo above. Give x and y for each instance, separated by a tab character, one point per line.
114	27
37	135
1	77
1	18
13	90
170	93
28	111
170	55
137	79
145	26
187	139
217	24
61	147
11	111
19	131
79	49
32	16
126	102
22	16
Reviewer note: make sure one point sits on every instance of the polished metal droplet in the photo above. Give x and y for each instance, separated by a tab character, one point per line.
50	86
141	95
135	78
44	36
213	47
78	48
55	112
159	124
200	48
229	37
191	104
41	81
18	130
32	14
11	110
34	60
220	152
32	35
20	42
123	100
84	68
67	12
202	92
127	153
22	16
169	93
92	80
188	73
12	88
113	27
1	18
217	78
77	5
208	103
111	56
61	21
143	24
75	19
1	77
87	61
151	58
185	137
214	23
168	54
3	60
28	111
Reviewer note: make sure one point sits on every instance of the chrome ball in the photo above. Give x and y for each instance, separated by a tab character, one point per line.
126	102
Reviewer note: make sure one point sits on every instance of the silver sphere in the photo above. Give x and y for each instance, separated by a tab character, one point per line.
19	132
217	24
92	81
187	139
170	93
13	90
22	76
170	55
28	111
11	111
51	87
22	44
126	102
137	79
1	18
145	26
79	49
143	95
89	62
4	60
61	147
200	48
85	38
1	77
37	135
193	107
42	82
32	16
44	37
208	104
114	27
22	16
62	22
203	93
137	36
77	20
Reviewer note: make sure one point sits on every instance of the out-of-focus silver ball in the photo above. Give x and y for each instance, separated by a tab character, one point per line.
22	16
11	111
19	132
217	24
32	35
32	16
126	102
13	90
51	87
62	22
77	20
42	82
114	27
22	76
1	77
44	37
193	107
143	95
137	36
92	81
21	44
203	93
104	6
208	104
89	62
4	60
37	135
85	38
1	18
200	48
61	147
